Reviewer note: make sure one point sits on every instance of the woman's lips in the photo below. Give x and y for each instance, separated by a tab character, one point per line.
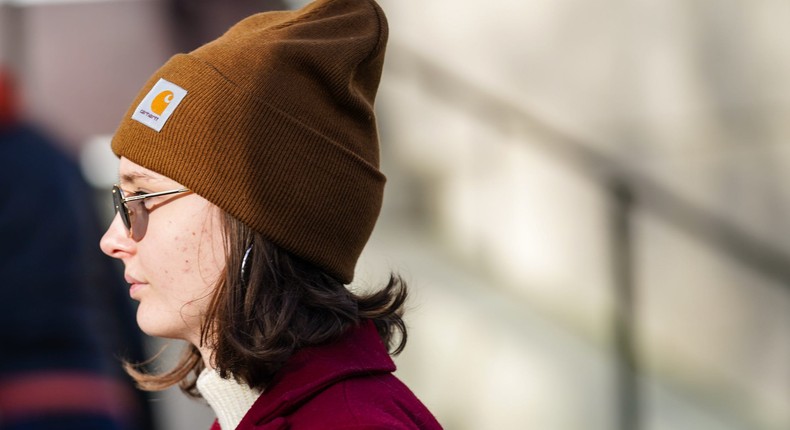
133	288
134	284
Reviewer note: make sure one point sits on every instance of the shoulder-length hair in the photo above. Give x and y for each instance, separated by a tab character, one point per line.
286	303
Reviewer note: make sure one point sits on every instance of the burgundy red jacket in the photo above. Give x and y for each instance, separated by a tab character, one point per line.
344	385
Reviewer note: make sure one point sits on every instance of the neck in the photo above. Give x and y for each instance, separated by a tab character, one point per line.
206	355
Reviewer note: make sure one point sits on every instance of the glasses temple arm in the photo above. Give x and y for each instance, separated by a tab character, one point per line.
161	193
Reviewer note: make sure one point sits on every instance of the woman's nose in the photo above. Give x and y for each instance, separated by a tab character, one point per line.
116	241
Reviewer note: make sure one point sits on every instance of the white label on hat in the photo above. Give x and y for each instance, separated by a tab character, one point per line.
159	104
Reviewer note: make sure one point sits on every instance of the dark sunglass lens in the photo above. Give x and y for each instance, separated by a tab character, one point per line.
138	218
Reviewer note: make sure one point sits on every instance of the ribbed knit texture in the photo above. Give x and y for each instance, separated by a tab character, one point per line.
278	129
229	399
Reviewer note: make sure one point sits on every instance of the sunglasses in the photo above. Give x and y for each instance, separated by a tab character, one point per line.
133	212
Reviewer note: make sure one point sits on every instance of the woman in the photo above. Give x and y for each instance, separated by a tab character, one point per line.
249	185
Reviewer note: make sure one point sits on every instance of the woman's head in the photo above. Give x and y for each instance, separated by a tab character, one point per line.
271	128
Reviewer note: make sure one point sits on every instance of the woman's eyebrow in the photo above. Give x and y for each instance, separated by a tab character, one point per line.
131	177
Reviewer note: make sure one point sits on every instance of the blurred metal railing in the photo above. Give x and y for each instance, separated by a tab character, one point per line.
628	190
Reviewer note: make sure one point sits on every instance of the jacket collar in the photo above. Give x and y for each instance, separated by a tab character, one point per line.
310	370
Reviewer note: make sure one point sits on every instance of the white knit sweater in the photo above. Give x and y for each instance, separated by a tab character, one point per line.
229	399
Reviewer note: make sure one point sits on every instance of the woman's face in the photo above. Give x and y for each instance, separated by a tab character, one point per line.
173	269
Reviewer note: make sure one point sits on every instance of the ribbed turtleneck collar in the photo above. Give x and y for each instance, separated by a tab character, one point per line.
229	399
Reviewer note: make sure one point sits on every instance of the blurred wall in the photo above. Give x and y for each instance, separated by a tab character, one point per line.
522	118
81	63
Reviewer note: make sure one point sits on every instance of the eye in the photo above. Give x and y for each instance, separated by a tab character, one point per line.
128	193
143	203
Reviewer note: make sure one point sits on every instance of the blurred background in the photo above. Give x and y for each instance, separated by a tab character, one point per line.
588	198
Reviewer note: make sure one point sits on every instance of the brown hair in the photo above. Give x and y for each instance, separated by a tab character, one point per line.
286	303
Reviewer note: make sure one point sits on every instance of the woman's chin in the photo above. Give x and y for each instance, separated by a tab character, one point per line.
154	326
158	322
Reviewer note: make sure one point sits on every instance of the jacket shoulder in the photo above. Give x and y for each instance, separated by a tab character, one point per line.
374	402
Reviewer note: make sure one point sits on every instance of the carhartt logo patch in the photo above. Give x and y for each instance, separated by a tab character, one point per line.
159	104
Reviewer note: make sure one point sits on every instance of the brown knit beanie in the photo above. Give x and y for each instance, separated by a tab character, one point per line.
273	122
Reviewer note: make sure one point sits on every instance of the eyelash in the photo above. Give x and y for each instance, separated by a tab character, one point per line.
138	192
